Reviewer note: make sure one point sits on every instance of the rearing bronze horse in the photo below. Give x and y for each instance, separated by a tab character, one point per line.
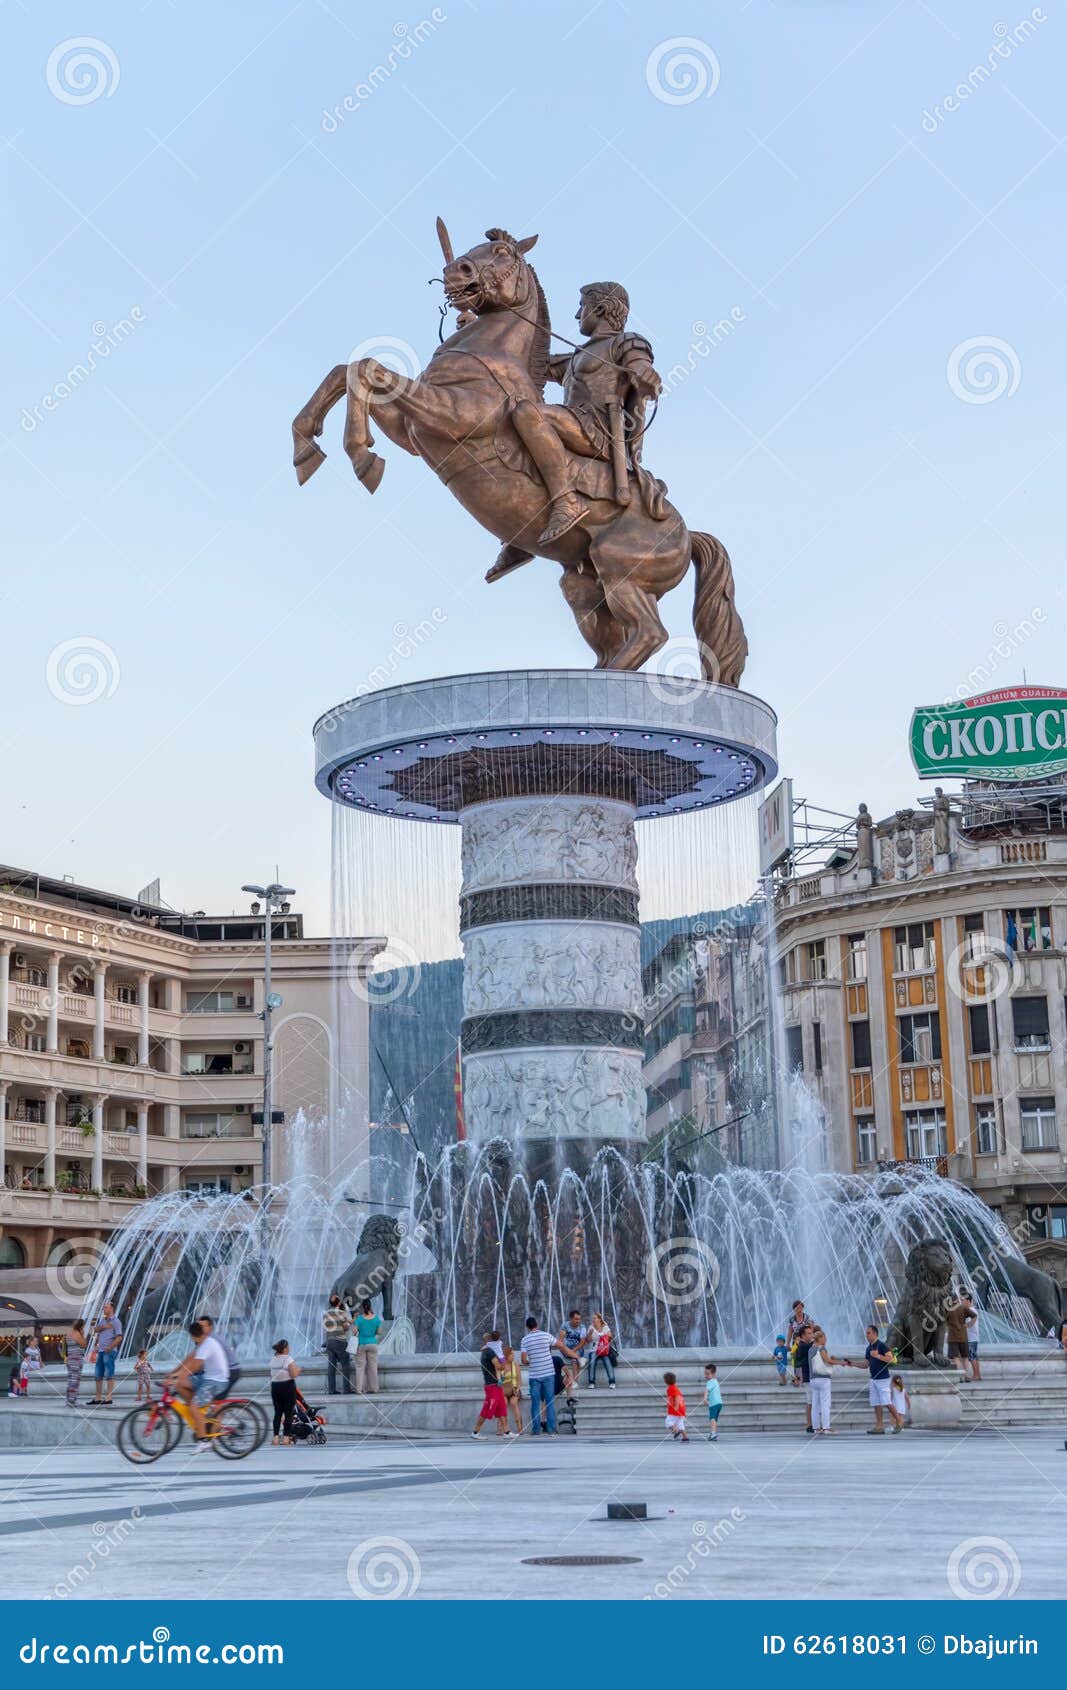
617	561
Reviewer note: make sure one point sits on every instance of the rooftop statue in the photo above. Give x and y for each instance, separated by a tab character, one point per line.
564	482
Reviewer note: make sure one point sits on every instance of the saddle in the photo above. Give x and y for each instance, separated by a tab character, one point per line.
593	477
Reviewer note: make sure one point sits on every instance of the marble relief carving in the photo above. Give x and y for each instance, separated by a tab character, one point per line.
534	966
554	1094
566	839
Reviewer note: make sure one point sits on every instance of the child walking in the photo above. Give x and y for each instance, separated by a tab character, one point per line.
675	1421
713	1398
781	1358
142	1368
899	1402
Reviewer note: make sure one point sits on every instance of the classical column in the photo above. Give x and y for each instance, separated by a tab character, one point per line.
172	1120
99	983
553	1023
53	1003
3	1132
6	948
142	1144
142	999
51	1099
97	1180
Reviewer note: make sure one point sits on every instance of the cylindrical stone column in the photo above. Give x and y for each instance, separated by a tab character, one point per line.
552	1019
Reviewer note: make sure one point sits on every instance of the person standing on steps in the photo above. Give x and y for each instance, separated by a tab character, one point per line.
335	1329
537	1347
368	1325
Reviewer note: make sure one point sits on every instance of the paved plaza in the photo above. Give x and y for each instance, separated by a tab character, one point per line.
779	1516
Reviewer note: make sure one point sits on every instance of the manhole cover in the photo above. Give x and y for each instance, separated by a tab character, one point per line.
580	1560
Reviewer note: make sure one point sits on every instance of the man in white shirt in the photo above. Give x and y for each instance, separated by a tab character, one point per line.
202	1377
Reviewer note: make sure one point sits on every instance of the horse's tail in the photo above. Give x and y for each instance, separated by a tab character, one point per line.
716	623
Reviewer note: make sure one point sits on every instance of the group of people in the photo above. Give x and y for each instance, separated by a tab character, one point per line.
350	1332
802	1350
553	1364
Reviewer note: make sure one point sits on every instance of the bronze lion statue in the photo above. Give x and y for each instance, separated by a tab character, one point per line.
918	1329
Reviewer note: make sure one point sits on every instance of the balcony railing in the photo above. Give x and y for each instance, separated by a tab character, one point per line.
933	1164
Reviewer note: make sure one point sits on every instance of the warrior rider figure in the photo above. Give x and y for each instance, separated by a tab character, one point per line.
606	384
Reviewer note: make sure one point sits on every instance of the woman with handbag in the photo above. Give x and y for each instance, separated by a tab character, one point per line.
821	1363
604	1352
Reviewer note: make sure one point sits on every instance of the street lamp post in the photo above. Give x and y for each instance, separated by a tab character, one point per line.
272	897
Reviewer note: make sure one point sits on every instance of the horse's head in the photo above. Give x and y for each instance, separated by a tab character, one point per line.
492	277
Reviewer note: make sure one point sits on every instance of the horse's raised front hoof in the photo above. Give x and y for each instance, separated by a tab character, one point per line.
370	468
306	460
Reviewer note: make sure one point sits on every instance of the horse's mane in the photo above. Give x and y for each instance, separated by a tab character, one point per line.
539	347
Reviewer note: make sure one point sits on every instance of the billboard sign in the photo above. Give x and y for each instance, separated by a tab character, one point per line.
776	826
1015	733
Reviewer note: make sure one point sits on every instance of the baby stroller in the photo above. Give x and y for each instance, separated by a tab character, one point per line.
308	1423
566	1407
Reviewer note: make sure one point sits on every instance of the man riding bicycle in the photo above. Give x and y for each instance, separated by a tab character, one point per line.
201	1379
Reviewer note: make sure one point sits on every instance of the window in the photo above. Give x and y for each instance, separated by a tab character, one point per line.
794	1049
817	959
975	945
865	1139
1028	929
220	1186
216	1125
125	993
857	956
215	1003
123	1055
1037	1118
926	1136
1048	1222
861	1044
816	1045
12	1254
978	1021
34	1041
915	947
920	1037
1029	1018
207	1062
986	1133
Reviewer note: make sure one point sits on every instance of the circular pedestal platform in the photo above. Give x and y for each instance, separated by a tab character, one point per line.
547	771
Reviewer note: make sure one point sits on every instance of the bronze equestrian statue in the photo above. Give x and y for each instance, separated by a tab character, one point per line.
565	482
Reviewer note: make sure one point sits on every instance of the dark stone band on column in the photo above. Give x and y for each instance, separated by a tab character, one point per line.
551	901
520	1029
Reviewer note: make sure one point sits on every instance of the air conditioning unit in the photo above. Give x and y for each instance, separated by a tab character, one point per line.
240	1047
19	959
240	1108
243	1001
240	1170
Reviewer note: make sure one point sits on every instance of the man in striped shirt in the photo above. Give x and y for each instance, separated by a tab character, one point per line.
537	1347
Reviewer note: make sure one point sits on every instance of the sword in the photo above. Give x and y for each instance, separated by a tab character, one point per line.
618	452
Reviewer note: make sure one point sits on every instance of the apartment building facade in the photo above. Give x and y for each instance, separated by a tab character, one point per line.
924	996
131	1055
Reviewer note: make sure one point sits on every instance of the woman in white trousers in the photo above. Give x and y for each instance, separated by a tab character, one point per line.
821	1363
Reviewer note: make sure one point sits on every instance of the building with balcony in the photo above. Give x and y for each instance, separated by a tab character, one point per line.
131	1055
924	992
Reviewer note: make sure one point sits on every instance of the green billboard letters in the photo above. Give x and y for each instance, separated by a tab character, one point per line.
1016	733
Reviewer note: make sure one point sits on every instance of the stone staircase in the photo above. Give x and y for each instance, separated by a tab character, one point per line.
437	1396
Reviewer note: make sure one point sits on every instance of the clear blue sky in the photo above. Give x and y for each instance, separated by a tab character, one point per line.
885	530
